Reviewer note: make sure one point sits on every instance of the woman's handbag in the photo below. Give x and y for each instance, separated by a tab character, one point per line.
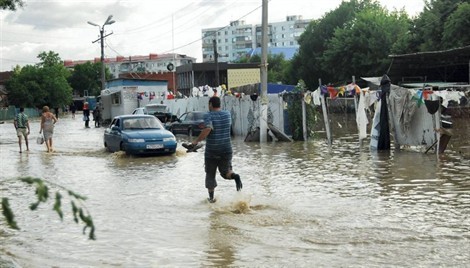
40	139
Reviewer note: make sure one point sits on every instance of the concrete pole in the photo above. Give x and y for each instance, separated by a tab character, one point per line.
103	76
263	123
216	61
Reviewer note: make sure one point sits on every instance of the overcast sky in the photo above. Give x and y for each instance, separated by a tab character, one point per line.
142	26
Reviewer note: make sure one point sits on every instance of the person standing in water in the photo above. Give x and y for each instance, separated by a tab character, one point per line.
73	109
48	121
22	127
218	151
86	114
97	116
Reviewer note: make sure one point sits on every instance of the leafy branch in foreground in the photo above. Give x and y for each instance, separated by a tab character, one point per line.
42	192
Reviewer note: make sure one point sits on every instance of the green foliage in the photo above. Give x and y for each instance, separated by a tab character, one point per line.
315	41
49	59
294	111
371	36
276	67
43	84
11	4
457	28
24	87
8	214
357	37
42	194
86	76
435	26
277	64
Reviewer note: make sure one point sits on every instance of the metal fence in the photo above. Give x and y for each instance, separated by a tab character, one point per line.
10	112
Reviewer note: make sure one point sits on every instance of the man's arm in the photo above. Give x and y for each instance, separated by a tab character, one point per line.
204	133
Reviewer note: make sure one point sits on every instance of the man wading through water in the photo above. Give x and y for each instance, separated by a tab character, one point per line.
218	152
22	128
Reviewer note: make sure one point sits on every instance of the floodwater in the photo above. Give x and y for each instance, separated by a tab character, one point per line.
302	205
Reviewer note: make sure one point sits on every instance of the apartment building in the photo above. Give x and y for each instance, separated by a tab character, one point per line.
238	39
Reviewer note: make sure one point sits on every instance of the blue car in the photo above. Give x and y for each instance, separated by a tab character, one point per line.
139	135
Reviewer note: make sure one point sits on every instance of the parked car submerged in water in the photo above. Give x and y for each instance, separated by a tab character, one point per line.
190	123
139	135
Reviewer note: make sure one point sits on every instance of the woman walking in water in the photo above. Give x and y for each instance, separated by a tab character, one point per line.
48	120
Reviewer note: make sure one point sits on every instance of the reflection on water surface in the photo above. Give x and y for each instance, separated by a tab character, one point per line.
303	205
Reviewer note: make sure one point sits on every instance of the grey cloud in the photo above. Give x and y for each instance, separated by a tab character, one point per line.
51	15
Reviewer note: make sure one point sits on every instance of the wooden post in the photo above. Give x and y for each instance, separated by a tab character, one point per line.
325	117
355	96
304	119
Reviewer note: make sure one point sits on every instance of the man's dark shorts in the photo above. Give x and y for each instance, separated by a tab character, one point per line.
214	162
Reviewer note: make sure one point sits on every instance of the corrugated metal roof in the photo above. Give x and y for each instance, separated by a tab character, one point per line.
450	65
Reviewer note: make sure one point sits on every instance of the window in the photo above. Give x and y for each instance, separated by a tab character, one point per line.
115	123
116	99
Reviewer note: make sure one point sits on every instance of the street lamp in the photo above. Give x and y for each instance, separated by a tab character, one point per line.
109	21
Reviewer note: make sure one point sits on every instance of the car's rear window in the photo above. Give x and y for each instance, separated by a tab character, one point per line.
156	109
142	123
195	116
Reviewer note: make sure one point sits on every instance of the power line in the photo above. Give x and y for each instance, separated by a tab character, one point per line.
197	40
220	29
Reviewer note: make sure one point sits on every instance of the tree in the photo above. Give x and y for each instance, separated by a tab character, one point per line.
294	109
362	46
54	79
42	84
11	4
24	89
86	76
457	27
79	210
276	68
430	26
308	62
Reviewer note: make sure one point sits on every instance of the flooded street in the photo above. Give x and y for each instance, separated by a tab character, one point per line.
308	205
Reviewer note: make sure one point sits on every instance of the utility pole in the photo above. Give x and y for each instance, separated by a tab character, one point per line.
263	122
109	21
216	60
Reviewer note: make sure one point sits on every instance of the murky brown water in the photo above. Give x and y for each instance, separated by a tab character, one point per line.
309	206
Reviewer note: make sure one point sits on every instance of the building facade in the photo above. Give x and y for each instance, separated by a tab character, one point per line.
153	66
238	39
